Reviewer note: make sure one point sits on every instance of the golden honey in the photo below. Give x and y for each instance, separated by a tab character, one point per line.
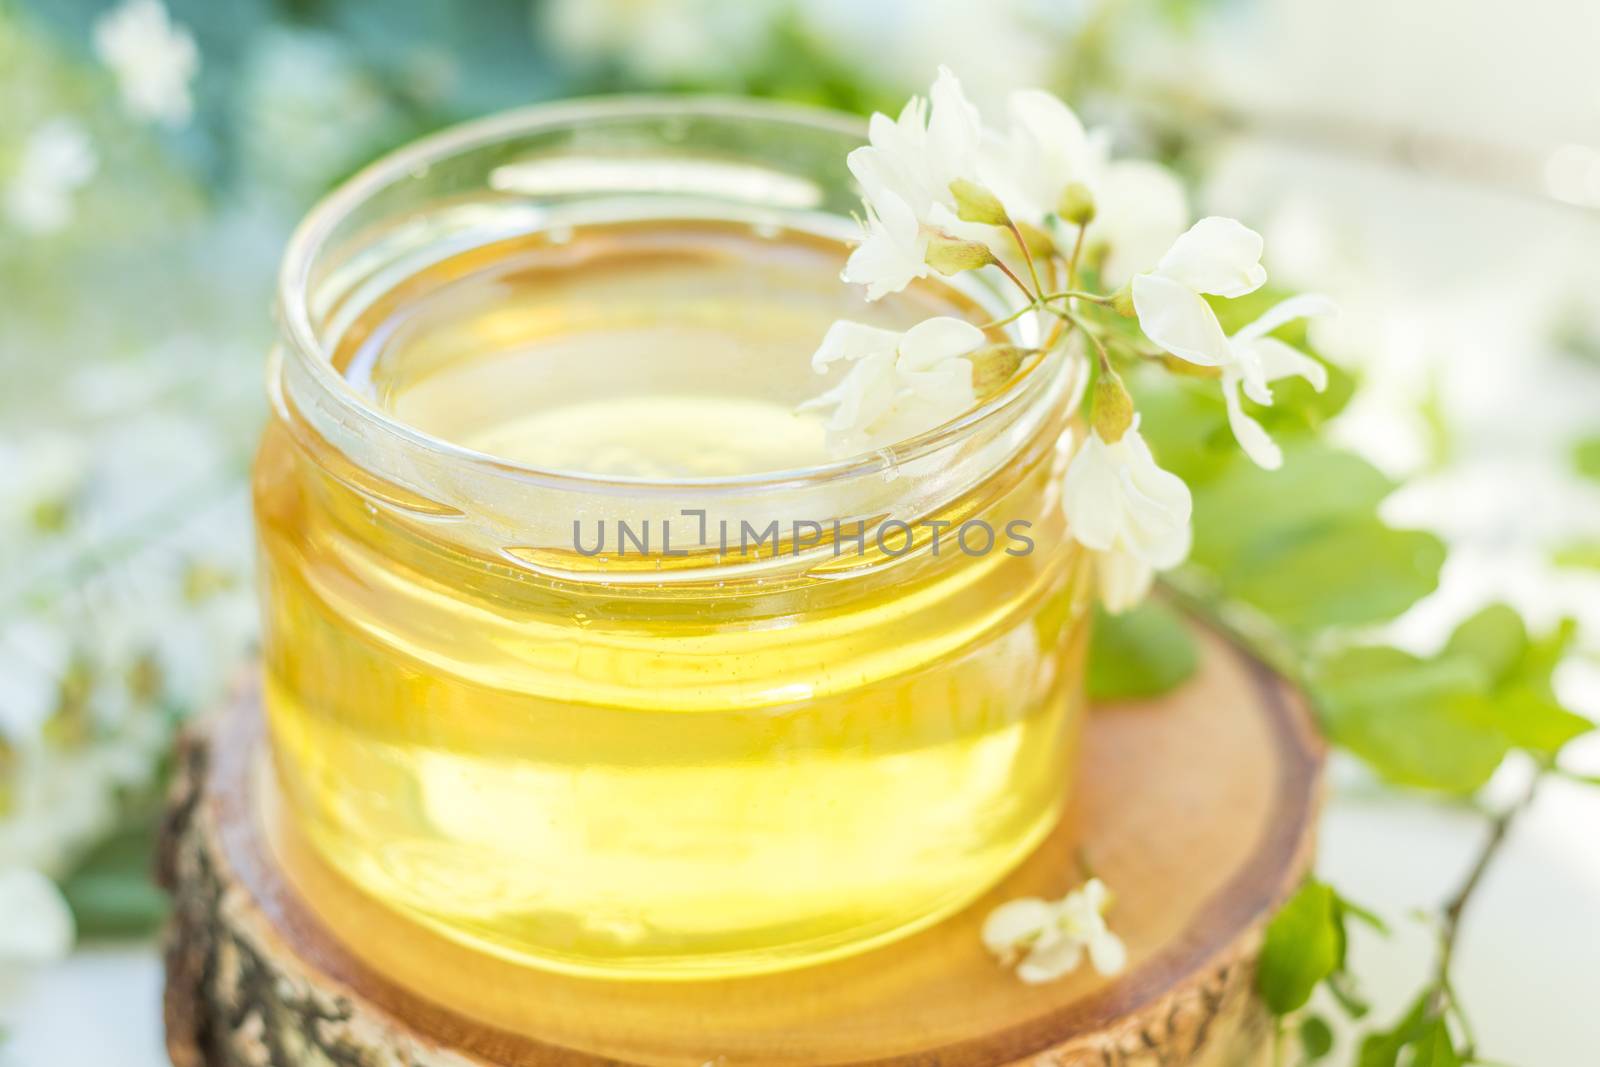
691	759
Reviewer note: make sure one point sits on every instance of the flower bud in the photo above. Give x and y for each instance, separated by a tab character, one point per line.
1039	243
974	203
1113	407
951	255
1122	302
1077	204
992	367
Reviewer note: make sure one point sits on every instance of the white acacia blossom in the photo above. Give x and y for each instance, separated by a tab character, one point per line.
1118	502
1215	256
1256	360
154	60
38	925
57	160
905	174
1048	939
899	384
1222	257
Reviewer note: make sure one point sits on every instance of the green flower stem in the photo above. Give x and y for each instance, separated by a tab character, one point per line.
1042	304
1078	294
1009	319
1032	296
1027	255
1077	253
1099	345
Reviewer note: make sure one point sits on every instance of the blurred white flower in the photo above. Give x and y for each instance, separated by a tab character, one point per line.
899	384
905	174
1140	207
307	111
62	797
58	159
154	60
38	926
44	473
182	619
1045	148
998	45
1118	501
33	659
1122	580
135	608
1050	937
665	42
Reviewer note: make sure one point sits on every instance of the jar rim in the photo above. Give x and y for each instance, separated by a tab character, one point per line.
314	357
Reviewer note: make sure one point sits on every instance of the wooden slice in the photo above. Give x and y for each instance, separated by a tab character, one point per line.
1198	809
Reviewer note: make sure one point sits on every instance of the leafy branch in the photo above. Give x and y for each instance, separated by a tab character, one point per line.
1312	567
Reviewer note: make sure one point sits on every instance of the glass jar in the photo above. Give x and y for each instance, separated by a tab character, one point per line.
694	758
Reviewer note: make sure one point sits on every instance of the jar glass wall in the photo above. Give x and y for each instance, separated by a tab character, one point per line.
578	648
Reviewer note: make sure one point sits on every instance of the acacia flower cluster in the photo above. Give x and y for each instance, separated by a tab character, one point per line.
1083	238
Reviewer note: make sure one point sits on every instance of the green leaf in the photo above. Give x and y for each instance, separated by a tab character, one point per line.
1303	545
1413	720
1350	574
1447	722
1140	653
1309	552
113	892
1382	1049
1302	948
1316	1038
1349	909
1435	1047
1341	983
1495	638
1522	701
1586	457
1342	987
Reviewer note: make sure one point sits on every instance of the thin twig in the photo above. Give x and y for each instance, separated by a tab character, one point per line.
1443	997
